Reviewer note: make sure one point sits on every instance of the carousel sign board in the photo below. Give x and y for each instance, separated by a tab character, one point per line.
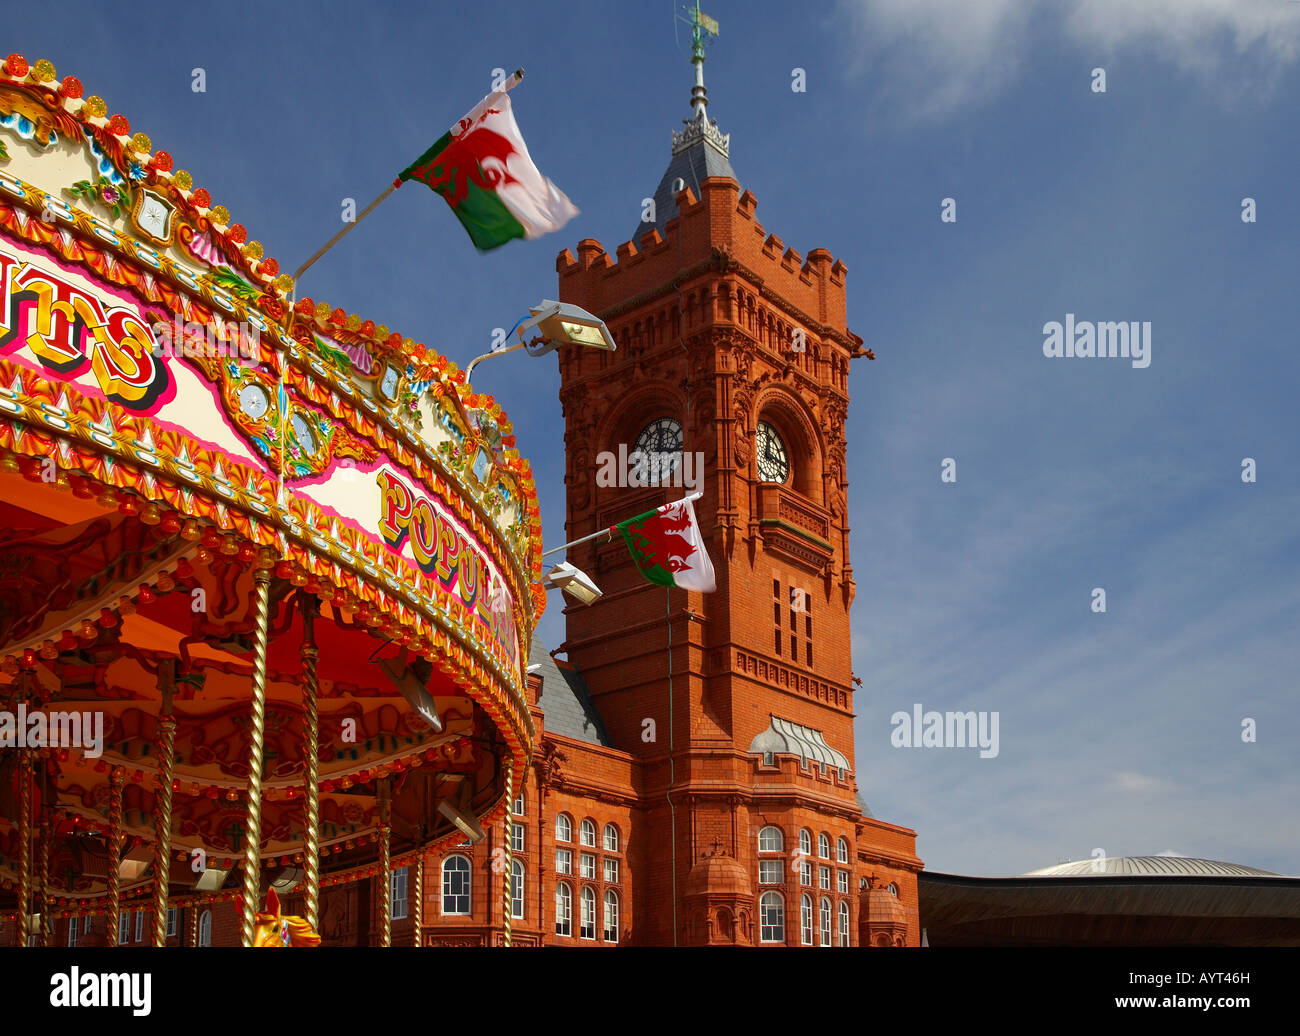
76	329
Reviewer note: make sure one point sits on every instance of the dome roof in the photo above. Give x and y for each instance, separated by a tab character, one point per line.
883	907
718	875
1150	867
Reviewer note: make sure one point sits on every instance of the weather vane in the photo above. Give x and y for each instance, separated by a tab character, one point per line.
704	30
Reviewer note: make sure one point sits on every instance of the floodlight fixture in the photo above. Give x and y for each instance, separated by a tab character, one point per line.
557	324
573	582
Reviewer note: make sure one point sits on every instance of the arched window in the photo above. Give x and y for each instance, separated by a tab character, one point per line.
611	838
771	916
806	919
770	840
563	909
842	850
516	888
519	807
844	923
826	921
587	917
455	885
587	832
893	889
564	828
805	841
205	928
824	846
611	916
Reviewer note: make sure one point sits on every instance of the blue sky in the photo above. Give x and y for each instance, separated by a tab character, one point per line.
1119	731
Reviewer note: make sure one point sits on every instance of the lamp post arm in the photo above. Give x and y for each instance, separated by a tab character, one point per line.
486	356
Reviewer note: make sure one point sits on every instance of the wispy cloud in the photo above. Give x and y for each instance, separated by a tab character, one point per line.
929	58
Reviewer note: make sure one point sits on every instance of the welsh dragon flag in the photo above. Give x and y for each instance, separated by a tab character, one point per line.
482	167
668	549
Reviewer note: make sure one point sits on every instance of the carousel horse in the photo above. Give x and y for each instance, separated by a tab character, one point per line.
271	929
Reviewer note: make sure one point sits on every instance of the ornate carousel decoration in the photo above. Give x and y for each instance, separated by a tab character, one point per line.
268	570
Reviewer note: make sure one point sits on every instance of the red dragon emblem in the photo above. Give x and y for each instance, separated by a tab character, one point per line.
475	155
657	539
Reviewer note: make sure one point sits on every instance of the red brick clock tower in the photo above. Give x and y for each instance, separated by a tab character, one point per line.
735	348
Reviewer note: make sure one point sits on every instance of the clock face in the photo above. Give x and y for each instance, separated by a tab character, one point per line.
661	443
773	461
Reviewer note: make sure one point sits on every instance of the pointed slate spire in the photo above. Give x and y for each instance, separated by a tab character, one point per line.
700	148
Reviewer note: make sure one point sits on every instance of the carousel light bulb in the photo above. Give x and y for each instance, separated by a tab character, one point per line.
184	569
107	499
230	546
86	630
190	530
129	507
48	650
165	583
204	555
299	578
171	523
29	658
246	553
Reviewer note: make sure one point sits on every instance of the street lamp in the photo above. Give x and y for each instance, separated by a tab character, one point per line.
558	323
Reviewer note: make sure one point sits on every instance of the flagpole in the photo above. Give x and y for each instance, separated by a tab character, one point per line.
347	229
603	532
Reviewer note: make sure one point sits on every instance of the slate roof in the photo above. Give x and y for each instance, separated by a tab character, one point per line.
565	701
694	165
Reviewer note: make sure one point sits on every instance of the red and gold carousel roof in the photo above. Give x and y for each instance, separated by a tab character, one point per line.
170	422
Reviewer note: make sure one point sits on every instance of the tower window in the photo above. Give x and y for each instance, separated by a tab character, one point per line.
799	602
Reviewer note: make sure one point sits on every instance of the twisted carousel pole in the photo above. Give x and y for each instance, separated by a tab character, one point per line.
311	764
417	902
116	778
162	811
257	735
385	876
510	805
47	923
24	845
